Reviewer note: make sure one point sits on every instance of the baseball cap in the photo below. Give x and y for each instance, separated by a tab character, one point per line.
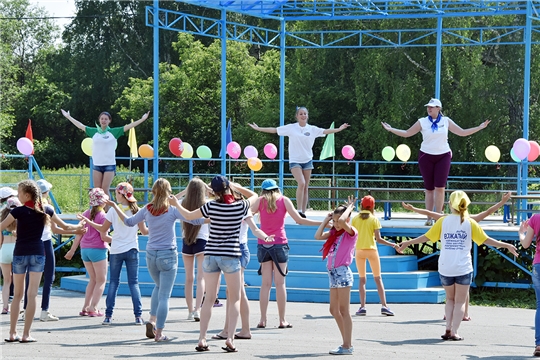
6	192
269	184
126	189
97	197
219	184
44	185
13	202
368	202
434	102
458	197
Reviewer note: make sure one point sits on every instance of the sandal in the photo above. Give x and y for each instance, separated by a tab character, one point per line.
163	338
261	325
150	330
447	335
5	311
536	352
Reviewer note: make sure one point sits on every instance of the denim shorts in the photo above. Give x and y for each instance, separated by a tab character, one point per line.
244	259
194	249
105	168
280	252
93	255
304	166
340	277
460	280
30	263
227	264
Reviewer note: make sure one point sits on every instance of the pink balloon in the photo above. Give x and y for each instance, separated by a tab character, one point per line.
534	152
270	150
234	150
521	148
25	146
251	152
348	152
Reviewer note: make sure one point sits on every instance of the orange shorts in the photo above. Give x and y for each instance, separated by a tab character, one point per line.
372	255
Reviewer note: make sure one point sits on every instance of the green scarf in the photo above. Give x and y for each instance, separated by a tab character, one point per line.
100	131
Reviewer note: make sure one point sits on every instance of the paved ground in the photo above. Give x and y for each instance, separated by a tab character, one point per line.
414	333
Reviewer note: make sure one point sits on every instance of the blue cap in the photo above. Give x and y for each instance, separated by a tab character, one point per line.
219	183
269	184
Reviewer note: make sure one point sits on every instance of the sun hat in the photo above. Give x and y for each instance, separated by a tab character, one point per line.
457	198
219	184
97	197
368	202
269	184
44	185
126	189
434	102
6	192
13	202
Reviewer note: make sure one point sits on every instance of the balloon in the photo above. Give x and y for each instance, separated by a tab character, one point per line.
176	146
234	150
388	153
204	152
348	152
534	152
25	146
493	153
87	146
513	155
403	152
188	151
254	163
146	151
521	148
270	150
250	152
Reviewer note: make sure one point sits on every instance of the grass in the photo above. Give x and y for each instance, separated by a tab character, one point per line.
503	297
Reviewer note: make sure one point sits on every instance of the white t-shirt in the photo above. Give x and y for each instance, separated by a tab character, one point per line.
47	231
301	140
243	238
104	145
435	143
204	231
124	238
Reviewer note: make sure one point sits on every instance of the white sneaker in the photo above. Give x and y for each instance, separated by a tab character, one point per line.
47	316
196	316
190	315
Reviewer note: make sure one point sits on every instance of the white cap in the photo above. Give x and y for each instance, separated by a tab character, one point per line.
6	192
44	185
434	103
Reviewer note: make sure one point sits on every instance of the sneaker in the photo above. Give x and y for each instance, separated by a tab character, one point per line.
429	222
342	351
361	312
47	316
196	316
217	303
190	315
302	214
107	321
139	321
386	311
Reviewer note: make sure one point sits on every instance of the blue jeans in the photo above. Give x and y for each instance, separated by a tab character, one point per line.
131	258
536	285
48	277
162	266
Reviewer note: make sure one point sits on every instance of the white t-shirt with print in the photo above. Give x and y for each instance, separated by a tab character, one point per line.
301	140
435	143
124	238
104	145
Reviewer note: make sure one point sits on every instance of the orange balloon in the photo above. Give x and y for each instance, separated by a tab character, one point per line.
255	164
146	151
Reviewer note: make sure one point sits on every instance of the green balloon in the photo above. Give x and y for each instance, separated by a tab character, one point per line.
388	153
204	152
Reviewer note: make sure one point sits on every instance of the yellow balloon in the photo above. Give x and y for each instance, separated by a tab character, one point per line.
403	152
188	151
87	145
255	164
493	153
146	151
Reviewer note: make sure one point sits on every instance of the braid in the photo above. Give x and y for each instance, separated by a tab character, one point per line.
462	209
31	188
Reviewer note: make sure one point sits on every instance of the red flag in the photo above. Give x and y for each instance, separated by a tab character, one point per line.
29	134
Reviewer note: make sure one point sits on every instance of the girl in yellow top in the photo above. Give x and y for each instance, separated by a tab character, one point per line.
369	234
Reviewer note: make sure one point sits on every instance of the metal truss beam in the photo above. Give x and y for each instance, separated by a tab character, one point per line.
205	26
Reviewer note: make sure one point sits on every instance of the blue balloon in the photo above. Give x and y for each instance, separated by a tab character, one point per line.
513	155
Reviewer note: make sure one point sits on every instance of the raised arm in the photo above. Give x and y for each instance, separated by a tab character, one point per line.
342	221
294	214
418	240
188	215
136	123
99	227
75	122
333	131
413	130
66	228
498	244
258	232
431	214
247	193
491	210
270	130
456	129
320	234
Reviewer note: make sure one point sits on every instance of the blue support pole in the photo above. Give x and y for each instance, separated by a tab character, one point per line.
190	169
438	59
223	92
156	92
281	101
91	173
145	179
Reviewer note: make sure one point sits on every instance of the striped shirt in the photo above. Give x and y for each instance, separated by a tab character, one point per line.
226	220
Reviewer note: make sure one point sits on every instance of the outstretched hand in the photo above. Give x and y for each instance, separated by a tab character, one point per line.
65	113
386	126
145	116
512	250
506	196
343	126
407	206
351	199
484	124
254	126
402	247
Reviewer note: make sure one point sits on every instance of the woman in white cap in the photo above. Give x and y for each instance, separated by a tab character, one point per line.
456	233
5	194
435	156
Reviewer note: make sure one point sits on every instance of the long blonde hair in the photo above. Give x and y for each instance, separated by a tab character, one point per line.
31	188
160	191
271	197
195	198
